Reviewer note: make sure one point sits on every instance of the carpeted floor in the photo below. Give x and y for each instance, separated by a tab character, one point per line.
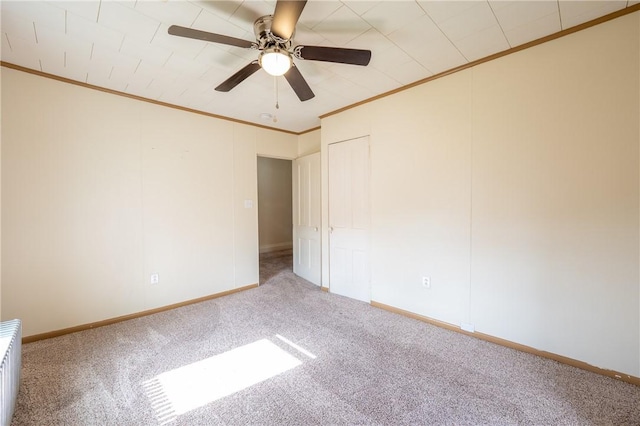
288	353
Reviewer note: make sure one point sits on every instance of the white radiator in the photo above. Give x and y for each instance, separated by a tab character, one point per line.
11	357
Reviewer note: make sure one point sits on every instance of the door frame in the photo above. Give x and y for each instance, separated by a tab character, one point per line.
257	203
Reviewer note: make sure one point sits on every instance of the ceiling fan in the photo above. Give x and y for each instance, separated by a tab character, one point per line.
273	40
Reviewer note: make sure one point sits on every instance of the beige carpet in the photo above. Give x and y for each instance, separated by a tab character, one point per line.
288	353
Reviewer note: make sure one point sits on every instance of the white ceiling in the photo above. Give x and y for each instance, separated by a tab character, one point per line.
124	46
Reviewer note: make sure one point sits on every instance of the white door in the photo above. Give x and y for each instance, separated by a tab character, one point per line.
349	219
306	218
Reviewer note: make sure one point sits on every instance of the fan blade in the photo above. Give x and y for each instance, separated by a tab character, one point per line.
203	35
333	54
286	17
238	77
298	84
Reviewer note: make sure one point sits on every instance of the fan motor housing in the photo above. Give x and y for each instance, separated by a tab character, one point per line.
264	36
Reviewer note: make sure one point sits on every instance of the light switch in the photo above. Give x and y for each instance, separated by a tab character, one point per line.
248	204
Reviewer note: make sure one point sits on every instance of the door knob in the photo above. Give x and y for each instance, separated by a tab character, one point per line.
315	229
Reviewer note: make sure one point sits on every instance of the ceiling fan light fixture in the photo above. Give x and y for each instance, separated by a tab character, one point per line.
274	35
275	61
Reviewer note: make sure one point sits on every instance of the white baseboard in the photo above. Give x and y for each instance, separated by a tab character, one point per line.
267	248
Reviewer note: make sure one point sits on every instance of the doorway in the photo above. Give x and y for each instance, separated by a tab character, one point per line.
274	205
275	237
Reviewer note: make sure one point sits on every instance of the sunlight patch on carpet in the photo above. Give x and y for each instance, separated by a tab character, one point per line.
200	383
296	347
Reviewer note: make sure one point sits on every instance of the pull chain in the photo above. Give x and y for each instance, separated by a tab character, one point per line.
275	80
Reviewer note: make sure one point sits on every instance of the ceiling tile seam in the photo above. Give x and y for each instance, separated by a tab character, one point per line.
351	9
457	16
98	14
155	32
364	87
196	18
560	15
519	27
330	15
407	53
8	41
444	34
386	36
199	52
232	15
359	17
499	25
165	62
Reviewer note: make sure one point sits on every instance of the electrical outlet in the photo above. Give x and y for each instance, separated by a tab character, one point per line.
426	282
155	278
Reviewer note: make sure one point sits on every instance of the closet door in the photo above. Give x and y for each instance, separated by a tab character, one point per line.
349	219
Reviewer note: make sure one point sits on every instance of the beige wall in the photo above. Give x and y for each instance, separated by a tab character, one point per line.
277	145
309	143
274	204
515	186
100	191
1	317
